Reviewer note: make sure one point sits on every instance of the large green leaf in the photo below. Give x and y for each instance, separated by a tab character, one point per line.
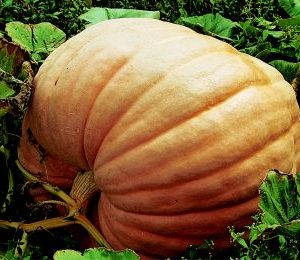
96	253
97	14
280	201
292	7
277	225
217	25
38	39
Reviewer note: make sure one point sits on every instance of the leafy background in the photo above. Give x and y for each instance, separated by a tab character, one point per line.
31	29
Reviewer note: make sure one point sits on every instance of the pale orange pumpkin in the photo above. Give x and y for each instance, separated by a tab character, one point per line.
179	129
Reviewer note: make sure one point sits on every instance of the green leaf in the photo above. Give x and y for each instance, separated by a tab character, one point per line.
96	253
9	255
274	34
279	199
215	25
292	227
256	231
249	30
7	3
238	238
277	226
38	39
286	68
293	21
265	24
97	14
292	7
21	34
46	37
5	90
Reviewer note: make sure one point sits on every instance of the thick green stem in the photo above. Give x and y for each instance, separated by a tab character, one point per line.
48	187
43	224
55	202
22	246
75	207
56	223
87	225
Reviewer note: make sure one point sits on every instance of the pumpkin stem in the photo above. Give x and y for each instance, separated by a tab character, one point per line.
83	189
38	225
89	227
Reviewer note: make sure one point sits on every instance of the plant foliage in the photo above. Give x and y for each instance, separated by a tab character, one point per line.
96	14
96	253
38	39
275	232
31	29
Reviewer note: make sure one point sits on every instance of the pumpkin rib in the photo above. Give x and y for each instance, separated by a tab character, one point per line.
87	104
217	102
174	67
183	196
73	47
192	209
134	235
77	77
130	130
219	200
196	223
123	67
128	125
91	107
60	58
260	149
172	127
169	198
70	56
119	237
72	44
105	228
146	203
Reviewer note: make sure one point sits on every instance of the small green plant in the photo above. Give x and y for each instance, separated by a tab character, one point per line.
275	232
63	14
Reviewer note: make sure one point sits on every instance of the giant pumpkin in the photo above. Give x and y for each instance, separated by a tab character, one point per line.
179	129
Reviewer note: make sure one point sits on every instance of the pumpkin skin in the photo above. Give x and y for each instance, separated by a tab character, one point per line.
179	129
